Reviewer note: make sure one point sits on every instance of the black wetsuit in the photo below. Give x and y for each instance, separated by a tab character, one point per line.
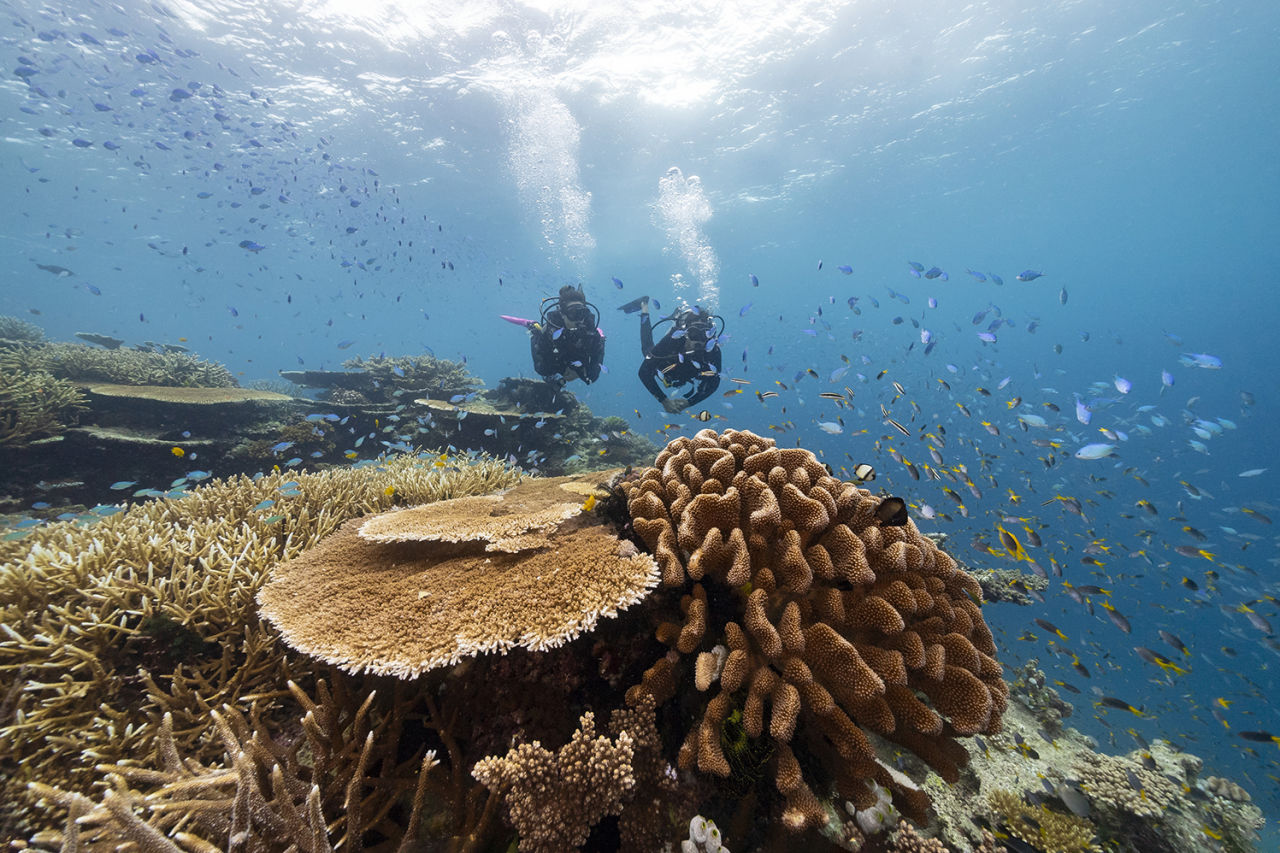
676	362
580	350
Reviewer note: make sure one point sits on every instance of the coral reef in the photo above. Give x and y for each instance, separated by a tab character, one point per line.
553	799
85	677
1048	830
439	376
832	619
1029	686
84	363
15	330
35	405
381	380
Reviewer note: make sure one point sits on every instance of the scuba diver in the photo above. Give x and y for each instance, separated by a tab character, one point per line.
566	341
689	353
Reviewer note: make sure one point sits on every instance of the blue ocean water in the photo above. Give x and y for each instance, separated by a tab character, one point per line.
290	184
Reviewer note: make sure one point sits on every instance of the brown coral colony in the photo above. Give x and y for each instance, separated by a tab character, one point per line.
840	626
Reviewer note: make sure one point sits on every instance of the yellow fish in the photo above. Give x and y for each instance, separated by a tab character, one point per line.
178	452
589	504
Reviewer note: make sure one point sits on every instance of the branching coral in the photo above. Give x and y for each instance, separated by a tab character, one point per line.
325	790
440	377
73	600
84	363
1048	830
15	329
33	405
834	622
554	798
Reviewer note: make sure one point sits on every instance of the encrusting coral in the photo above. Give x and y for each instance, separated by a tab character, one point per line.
835	622
85	672
443	582
553	799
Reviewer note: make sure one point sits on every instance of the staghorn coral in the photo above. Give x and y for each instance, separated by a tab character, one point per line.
16	330
439	590
834	622
73	600
553	799
84	363
332	787
1049	831
35	405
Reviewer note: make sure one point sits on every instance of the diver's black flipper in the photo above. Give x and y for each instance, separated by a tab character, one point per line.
634	305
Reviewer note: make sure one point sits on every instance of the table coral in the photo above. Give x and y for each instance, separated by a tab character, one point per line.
834	622
431	589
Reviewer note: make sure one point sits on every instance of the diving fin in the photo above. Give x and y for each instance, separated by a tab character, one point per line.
633	306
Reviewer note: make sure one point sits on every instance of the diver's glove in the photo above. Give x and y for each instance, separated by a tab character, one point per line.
675	404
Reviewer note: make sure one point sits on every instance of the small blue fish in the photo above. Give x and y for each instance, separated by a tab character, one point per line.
268	503
94	289
457	398
846	269
204	194
281	447
199	475
292	462
997	279
555	336
916	267
82	143
110	146
755	282
743	311
1200	359
933	272
977	276
617	282
123	484
344	344
251	246
987	337
234	312
1029	275
1095	451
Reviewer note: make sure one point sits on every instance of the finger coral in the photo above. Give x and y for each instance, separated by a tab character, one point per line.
488	582
554	798
835	625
